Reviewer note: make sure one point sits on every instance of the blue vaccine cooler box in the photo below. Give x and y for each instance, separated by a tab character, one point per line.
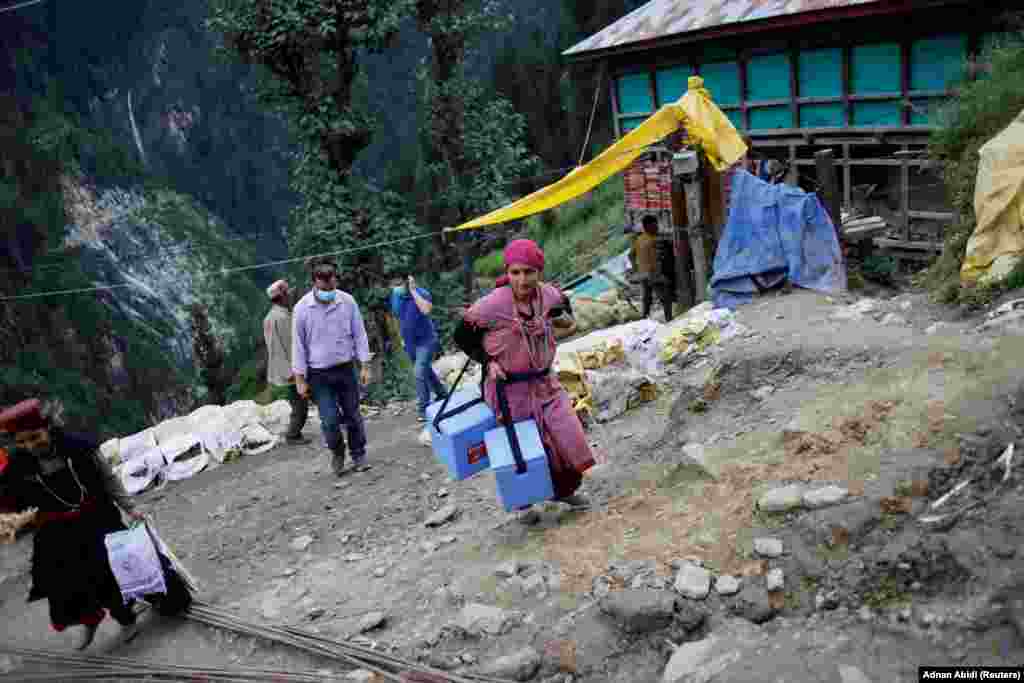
516	490
458	438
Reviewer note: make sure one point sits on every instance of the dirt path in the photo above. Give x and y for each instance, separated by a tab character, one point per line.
278	538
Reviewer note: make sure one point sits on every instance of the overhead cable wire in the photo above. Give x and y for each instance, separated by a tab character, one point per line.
224	271
235	269
11	8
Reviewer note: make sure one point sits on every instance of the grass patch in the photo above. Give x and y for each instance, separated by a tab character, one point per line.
769	520
829	553
889	521
576	236
887	595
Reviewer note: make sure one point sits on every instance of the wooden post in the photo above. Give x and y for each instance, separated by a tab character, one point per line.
680	247
695	232
847	178
905	194
824	161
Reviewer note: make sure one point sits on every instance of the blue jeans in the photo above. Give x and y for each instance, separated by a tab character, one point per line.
426	378
336	392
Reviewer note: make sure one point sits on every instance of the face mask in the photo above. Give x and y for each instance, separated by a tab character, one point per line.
325	297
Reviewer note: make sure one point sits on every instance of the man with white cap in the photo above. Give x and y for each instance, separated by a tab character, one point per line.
277	333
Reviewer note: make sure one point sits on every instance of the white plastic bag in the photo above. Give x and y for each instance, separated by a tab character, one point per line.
135	563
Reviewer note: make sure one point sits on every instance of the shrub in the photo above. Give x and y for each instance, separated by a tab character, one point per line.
982	108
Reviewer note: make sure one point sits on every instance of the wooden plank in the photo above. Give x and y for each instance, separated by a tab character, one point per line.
695	234
825	139
847	178
930	94
616	111
906	244
768	103
870	162
819	100
741	61
875	97
864	222
905	195
933	216
859	130
829	184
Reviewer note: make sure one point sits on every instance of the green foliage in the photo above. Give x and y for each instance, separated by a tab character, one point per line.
250	383
343	216
982	108
494	154
576	237
61	135
881	269
490	265
310	52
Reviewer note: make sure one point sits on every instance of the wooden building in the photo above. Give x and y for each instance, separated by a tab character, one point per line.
865	78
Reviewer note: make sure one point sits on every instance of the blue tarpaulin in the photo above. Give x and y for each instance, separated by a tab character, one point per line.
774	233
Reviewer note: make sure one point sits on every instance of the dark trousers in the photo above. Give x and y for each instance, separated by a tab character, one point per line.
299	405
650	287
336	392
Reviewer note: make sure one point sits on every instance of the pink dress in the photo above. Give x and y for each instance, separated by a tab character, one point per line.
521	342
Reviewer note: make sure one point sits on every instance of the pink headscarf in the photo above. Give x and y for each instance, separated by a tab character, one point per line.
526	253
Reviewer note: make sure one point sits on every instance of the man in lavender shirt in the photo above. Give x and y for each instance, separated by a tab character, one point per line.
328	337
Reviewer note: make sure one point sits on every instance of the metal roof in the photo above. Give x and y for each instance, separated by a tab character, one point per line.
664	18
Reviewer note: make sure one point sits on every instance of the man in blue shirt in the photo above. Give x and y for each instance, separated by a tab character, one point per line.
412	306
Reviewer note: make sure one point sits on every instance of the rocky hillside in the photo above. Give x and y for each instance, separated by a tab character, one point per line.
172	252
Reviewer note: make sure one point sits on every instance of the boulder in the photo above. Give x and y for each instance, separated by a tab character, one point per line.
640	611
693	582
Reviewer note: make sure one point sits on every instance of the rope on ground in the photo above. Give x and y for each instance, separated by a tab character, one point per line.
86	667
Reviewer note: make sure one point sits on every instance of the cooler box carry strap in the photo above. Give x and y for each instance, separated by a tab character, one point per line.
441	414
510	429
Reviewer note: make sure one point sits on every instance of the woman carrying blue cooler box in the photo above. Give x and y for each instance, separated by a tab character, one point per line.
520	323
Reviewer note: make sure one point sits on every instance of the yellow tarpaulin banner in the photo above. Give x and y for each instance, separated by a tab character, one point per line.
997	243
704	122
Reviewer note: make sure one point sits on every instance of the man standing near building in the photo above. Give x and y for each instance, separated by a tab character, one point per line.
277	333
328	338
644	257
412	306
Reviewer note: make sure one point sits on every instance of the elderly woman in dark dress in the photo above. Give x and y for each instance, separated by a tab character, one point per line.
79	500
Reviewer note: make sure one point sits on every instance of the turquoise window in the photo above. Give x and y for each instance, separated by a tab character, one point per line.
671	84
875	69
820	73
768	78
936	63
722	79
822	116
630	123
635	94
763	118
876	113
736	116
